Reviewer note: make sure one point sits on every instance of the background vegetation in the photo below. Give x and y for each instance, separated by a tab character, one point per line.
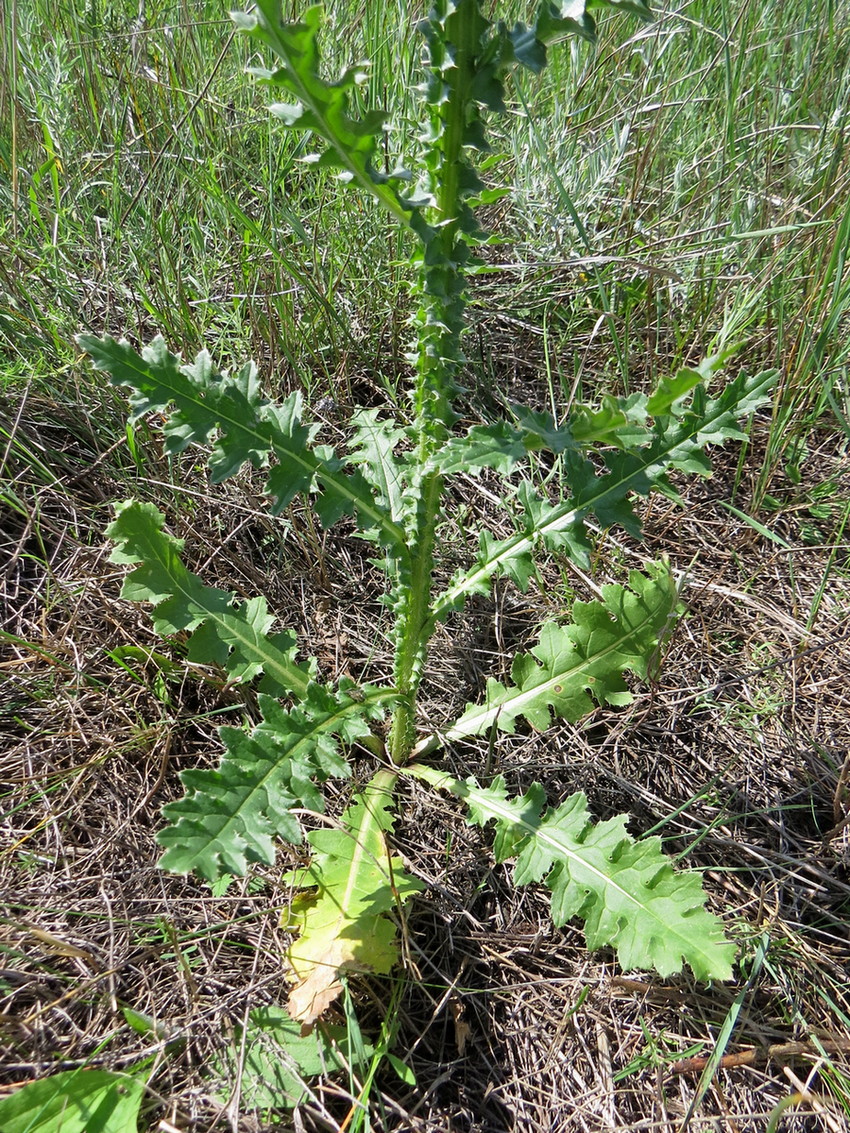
682	187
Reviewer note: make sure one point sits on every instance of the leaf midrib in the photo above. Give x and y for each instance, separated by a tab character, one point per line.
164	376
291	752
502	812
288	674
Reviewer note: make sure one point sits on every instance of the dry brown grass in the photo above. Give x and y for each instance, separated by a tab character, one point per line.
738	751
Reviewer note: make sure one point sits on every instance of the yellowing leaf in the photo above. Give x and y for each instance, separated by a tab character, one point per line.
342	923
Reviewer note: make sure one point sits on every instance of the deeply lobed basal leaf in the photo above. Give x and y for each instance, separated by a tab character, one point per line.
341	920
646	451
626	892
204	403
223	631
231	816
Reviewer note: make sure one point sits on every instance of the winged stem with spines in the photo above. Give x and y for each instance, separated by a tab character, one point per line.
392	482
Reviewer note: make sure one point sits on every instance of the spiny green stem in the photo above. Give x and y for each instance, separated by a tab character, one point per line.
410	653
453	35
456	32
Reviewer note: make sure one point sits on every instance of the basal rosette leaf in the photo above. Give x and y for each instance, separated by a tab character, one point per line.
224	631
341	920
676	440
577	665
627	892
231	816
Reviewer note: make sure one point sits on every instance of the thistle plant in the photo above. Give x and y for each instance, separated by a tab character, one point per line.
392	482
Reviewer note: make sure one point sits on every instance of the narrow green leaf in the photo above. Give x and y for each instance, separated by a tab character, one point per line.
765	532
144	1024
402	1070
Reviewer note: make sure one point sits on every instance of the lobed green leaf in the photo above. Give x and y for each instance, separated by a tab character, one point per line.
626	892
323	107
224	631
373	449
675	441
574	666
247	429
231	816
